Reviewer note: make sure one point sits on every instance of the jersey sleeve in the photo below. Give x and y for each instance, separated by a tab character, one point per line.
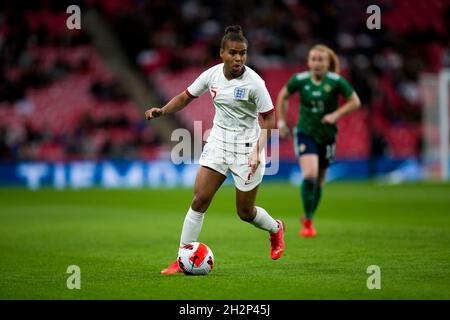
294	84
262	100
199	86
345	88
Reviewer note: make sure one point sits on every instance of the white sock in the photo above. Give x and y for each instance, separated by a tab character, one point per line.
264	221
191	227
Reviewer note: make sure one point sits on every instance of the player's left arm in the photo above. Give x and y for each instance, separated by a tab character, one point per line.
264	107
352	103
268	123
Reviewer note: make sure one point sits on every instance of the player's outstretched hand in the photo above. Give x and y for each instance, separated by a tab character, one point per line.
153	113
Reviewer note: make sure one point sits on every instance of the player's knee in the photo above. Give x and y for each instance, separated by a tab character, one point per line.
246	214
310	174
200	202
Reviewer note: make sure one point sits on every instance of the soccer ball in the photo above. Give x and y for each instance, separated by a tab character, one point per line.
195	258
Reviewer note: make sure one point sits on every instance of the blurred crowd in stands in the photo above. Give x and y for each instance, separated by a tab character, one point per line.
167	37
58	101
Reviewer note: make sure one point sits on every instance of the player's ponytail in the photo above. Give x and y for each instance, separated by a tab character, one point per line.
332	56
233	33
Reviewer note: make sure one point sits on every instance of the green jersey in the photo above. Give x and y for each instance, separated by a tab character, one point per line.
317	100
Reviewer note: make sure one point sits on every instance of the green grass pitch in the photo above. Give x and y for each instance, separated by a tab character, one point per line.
122	238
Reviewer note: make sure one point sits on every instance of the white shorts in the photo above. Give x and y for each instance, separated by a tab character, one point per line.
216	158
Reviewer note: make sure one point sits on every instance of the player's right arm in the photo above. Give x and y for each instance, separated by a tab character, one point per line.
293	85
282	105
196	89
174	105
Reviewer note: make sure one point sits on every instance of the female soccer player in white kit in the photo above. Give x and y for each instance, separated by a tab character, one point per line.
235	143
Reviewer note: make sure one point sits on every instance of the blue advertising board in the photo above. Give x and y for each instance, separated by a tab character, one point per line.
165	174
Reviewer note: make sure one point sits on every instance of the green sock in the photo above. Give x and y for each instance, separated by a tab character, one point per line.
308	191
317	198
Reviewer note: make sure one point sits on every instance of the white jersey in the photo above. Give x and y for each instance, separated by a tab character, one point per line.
237	102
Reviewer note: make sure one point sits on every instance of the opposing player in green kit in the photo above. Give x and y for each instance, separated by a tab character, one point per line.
315	133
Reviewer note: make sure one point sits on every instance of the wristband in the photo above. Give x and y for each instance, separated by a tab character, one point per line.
281	124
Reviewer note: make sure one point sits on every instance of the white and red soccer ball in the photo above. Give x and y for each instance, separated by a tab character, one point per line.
195	258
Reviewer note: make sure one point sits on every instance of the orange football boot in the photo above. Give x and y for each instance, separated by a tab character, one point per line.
307	230
172	268
277	242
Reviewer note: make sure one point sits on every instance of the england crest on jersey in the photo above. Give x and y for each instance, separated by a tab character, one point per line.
239	93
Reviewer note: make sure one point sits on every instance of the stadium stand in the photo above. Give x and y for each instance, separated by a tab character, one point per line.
58	101
66	104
